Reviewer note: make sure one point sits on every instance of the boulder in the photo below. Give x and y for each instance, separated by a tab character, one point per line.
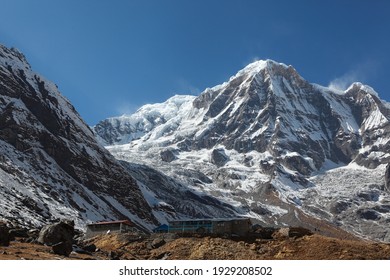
33	233
59	235
158	242
5	237
19	232
284	233
89	248
299	232
113	255
264	232
77	249
63	248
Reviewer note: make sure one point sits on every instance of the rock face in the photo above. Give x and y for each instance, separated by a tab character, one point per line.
168	155
387	177
219	157
51	165
268	107
269	144
172	199
5	237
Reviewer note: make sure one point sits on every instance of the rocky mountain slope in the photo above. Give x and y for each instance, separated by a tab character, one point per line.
266	144
51	165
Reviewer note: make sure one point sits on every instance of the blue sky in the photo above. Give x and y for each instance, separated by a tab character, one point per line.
110	57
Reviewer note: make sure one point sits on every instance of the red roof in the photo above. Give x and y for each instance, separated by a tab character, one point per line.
127	222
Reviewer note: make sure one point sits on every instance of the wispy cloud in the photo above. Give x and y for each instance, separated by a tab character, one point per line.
343	82
361	73
185	87
254	59
126	108
251	60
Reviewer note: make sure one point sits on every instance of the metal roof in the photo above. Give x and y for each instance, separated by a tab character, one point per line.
127	222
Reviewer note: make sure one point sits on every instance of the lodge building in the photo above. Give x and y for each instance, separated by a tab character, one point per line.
110	227
222	226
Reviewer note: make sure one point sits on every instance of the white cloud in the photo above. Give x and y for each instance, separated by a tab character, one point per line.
126	108
251	60
361	73
254	59
185	87
343	82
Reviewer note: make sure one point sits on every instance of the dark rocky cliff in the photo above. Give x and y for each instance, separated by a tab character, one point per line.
45	143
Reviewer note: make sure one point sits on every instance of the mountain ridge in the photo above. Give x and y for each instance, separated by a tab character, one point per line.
266	144
269	135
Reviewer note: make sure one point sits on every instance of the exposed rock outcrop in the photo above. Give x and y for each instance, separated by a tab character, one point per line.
288	232
5	237
168	155
387	178
219	157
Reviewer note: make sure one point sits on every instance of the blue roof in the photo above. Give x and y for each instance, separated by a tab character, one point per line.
161	227
211	220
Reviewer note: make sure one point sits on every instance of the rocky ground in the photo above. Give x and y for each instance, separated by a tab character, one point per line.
126	246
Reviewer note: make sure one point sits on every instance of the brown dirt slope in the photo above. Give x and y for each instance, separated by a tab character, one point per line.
314	247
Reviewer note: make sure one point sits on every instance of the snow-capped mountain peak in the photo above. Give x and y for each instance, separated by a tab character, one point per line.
7	57
357	86
131	127
267	135
266	144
